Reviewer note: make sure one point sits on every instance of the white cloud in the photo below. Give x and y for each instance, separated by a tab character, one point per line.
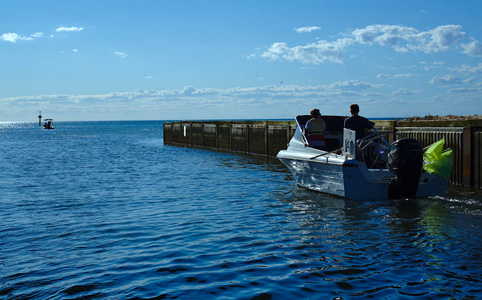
403	38
470	80
314	53
469	69
250	102
120	54
69	29
464	90
403	75
473	49
352	85
385	35
189	91
307	29
385	76
449	79
439	39
400	38
13	37
404	92
190	95
434	65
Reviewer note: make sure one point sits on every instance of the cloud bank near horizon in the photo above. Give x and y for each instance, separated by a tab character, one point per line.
195	103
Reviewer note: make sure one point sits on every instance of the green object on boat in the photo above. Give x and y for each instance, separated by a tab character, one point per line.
437	161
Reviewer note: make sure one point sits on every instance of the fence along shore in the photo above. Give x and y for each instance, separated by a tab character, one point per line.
269	137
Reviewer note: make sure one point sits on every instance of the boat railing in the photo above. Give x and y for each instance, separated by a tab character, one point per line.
301	127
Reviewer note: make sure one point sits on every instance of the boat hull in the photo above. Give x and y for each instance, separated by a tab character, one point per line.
353	180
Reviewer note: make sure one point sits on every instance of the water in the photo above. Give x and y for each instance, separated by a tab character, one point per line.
105	210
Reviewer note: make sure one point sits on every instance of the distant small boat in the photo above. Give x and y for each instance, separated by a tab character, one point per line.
48	124
400	170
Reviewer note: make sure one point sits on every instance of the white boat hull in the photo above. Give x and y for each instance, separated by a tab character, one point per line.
354	181
343	175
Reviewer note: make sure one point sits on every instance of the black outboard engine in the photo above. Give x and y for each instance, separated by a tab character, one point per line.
405	159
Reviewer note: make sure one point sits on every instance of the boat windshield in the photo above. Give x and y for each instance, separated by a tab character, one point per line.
333	130
334	124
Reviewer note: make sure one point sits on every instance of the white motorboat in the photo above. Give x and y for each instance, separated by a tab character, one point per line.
366	169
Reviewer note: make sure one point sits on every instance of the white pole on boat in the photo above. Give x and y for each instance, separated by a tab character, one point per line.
381	136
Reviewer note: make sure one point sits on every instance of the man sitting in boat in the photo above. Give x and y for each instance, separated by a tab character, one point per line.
315	130
357	123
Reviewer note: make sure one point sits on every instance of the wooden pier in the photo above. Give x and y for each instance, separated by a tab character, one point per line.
269	137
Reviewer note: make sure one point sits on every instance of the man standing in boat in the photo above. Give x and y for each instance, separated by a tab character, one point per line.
357	123
315	130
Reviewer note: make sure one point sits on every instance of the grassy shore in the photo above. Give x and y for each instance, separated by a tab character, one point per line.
443	118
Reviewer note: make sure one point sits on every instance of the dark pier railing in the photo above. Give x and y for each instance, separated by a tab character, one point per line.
255	137
269	137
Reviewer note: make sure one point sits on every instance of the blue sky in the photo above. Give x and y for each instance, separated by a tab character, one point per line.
169	60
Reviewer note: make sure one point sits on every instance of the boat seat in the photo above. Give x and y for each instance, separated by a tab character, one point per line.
333	130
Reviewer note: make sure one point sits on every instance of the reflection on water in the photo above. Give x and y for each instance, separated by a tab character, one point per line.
419	246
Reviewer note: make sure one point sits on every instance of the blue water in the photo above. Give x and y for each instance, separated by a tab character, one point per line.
105	210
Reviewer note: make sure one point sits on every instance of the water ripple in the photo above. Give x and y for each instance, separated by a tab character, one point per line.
115	214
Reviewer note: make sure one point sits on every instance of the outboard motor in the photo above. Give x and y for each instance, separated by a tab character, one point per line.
405	160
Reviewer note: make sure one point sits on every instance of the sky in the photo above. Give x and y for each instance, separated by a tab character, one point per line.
210	60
